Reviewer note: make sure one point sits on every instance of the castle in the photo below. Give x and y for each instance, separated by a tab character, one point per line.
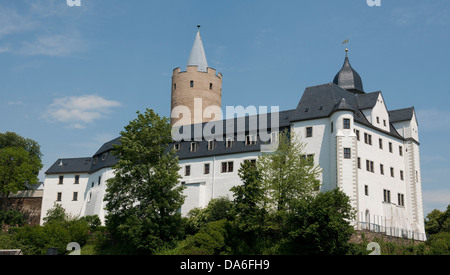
366	150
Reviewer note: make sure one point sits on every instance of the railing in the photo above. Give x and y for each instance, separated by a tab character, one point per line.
392	231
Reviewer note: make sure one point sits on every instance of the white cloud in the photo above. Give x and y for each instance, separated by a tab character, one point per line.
79	111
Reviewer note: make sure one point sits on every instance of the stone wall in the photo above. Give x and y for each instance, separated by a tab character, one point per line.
29	204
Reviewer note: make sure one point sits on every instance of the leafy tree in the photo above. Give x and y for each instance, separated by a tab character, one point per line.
249	208
320	225
217	209
20	162
144	196
438	221
287	174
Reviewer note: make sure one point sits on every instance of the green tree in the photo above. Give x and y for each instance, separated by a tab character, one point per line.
320	225
438	221
250	210
144	196
287	174
20	162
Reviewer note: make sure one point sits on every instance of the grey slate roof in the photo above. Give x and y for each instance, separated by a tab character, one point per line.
71	165
401	114
348	78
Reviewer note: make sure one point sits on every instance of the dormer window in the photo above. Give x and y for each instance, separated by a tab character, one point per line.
193	146
211	145
104	156
250	140
177	147
229	143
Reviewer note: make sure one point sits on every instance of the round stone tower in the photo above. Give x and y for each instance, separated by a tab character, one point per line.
196	92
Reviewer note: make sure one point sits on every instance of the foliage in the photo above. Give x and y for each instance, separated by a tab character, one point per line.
438	221
210	240
286	174
20	162
217	209
144	196
320	225
11	217
58	231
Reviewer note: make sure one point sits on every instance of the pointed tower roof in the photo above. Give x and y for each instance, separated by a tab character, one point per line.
198	56
347	78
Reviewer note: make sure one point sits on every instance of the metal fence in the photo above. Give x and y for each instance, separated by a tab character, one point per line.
392	231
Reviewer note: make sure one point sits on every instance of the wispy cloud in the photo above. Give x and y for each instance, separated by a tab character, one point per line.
79	111
433	119
53	45
33	30
436	199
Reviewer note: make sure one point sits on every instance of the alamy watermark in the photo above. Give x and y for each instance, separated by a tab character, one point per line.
373	3
73	3
251	124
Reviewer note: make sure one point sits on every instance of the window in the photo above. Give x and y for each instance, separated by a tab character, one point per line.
252	161
92	184
392	171
229	143
347	153
401	199
369	166
227	167
211	145
193	146
332	127
59	196
210	86
77	179
75	196
104	156
192	84
309	132
346	123
359	163
378	120
380	142
250	140
366	190
94	162
309	159
274	137
386	195
368	138
400	150
384	122
61	180
177	147
174	86
187	170
382	169
99	179
206	169
401	175
390	147
357	134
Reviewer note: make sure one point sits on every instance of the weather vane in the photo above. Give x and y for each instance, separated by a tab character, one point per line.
345	42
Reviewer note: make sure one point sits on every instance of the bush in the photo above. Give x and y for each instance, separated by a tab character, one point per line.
11	217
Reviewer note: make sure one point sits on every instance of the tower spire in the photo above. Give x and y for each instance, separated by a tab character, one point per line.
198	56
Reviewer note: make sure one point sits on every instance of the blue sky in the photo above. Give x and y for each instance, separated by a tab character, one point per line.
72	77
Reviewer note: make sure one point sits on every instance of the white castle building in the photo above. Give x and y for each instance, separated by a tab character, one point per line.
366	150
